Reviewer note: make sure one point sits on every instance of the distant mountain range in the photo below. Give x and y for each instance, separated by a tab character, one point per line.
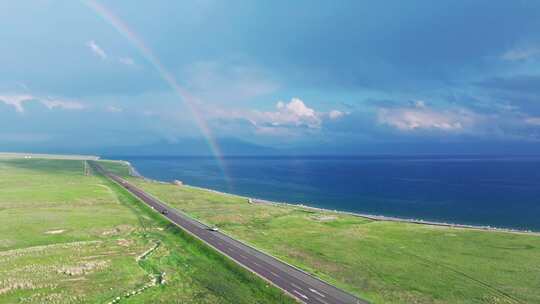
191	147
238	147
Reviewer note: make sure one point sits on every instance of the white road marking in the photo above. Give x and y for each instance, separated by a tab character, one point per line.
275	274
317	293
301	294
296	286
257	264
324	302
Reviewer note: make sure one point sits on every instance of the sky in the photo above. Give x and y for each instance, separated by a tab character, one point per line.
307	75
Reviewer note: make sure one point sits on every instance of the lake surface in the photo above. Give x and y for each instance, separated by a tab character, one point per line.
479	190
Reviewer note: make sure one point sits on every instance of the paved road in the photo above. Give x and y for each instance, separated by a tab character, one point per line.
295	282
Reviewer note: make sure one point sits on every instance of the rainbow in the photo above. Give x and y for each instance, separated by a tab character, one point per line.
184	95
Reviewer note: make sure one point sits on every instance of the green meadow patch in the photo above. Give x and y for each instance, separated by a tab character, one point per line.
385	262
68	237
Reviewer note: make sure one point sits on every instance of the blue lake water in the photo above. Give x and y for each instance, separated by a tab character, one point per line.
479	190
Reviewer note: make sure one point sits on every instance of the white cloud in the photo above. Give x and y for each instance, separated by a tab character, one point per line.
18	101
126	61
96	49
114	109
289	118
52	103
420	104
335	114
294	113
411	119
297	108
533	121
521	54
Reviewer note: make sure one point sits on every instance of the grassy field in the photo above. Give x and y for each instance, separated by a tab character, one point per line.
385	262
117	167
70	238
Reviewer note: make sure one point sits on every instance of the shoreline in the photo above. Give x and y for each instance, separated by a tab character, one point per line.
252	200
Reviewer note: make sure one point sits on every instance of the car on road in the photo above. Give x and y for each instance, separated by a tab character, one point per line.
164	212
213	229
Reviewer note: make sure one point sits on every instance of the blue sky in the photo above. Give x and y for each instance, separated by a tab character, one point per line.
279	73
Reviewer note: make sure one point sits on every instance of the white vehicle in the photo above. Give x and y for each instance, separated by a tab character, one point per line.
213	229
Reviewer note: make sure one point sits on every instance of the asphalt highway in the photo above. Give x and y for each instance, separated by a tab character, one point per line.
297	283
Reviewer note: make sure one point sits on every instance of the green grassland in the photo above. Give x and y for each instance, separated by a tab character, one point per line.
117	167
385	262
66	237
